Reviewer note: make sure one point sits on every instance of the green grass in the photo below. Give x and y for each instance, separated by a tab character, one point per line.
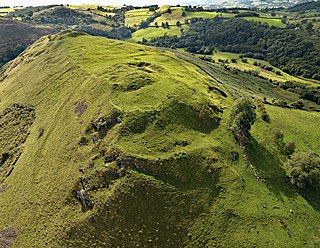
297	125
201	14
99	12
5	11
136	16
204	14
88	72
153	32
172	18
180	186
270	21
91	9
311	13
90	6
263	72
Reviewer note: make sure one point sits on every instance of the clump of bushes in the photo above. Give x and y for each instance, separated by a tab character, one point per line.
304	170
286	148
310	93
289	148
264	114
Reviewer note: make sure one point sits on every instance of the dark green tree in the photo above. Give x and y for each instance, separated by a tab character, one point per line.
242	116
309	27
289	148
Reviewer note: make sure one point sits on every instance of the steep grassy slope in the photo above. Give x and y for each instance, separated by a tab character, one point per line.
163	183
129	147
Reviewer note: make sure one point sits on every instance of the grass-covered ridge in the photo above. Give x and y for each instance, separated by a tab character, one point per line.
159	145
143	133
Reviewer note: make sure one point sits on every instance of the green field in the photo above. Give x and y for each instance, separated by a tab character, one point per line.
311	13
136	16
153	32
90	6
172	18
91	9
270	21
99	12
298	126
204	14
263	72
5	11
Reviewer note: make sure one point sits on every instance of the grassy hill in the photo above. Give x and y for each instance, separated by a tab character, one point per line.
127	145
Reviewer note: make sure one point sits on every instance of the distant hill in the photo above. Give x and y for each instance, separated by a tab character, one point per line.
314	5
62	15
15	36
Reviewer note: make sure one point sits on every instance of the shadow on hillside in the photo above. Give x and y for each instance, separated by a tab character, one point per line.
312	197
270	169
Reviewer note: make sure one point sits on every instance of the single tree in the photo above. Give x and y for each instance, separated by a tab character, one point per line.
289	148
242	116
309	27
284	19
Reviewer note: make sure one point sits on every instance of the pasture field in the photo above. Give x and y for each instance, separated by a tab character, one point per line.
153	32
172	18
5	11
270	21
204	14
263	72
135	17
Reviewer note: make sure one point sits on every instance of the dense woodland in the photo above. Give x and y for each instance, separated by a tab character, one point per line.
305	6
120	33
285	49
